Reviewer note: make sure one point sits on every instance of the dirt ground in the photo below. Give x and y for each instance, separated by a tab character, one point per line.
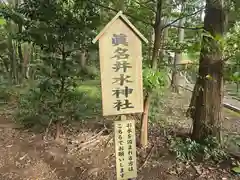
88	153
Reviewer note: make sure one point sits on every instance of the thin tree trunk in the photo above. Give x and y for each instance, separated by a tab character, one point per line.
12	57
83	59
207	116
191	108
154	61
26	55
164	37
58	130
178	56
237	87
16	63
238	79
144	129
5	63
61	93
174	80
21	58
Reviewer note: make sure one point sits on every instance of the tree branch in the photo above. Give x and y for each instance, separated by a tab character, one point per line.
143	4
191	28
181	17
188	15
127	14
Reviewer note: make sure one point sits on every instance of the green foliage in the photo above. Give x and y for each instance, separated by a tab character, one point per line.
36	108
6	92
2	21
10	13
232	52
60	29
153	79
52	22
236	170
189	150
232	142
9	92
236	77
232	41
89	72
56	30
157	102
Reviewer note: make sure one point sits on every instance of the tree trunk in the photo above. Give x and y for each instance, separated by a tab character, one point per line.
207	116
58	131
61	92
178	56
191	108
164	37
237	87
6	64
26	56
154	61
175	78
21	58
29	58
13	67
144	129
83	59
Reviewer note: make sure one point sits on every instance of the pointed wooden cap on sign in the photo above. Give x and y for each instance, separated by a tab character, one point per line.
121	16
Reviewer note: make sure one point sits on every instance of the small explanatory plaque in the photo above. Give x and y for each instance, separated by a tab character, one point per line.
125	149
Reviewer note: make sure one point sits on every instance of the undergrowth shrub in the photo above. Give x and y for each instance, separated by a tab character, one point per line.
190	150
155	82
157	103
8	92
5	94
37	109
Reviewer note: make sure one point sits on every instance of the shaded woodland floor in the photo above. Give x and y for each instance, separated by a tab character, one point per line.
86	151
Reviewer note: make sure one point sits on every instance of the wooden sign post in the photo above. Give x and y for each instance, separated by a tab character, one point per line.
120	52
